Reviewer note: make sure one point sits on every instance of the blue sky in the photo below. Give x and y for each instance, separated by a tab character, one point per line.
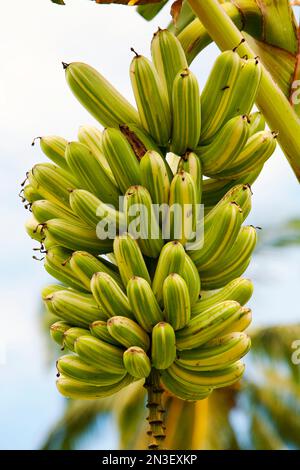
35	37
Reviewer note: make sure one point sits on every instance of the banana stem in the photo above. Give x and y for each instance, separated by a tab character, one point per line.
156	411
271	101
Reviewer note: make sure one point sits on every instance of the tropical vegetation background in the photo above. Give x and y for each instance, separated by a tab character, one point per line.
264	411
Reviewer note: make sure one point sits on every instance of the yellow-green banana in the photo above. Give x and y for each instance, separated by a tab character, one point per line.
129	258
100	354
177	305
163	346
99	329
191	163
77	389
128	333
136	362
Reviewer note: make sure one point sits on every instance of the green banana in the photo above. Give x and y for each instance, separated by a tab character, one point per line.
241	323
92	138
142	222
91	174
34	229
232	263
29	194
217	93
57	264
54	148
50	289
177	306
256	152
155	177
139	140
128	333
136	362
183	391
52	183
84	266
71	335
207	325
44	210
191	163
77	389
186	112
99	329
121	158
100	354
76	236
257	123
93	211
168	57
152	100
217	354
191	276
239	289
76	308
75	368
219	238
143	303
129	258
98	96
109	296
57	331
183	215
213	378
171	260
163	346
225	147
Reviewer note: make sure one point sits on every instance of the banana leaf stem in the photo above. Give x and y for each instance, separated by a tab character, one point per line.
271	101
156	411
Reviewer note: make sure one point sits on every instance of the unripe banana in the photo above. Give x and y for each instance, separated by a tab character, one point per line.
71	335
139	140
84	266
217	93
143	303
128	333
54	148
136	362
183	215
34	229
186	112
171	260
129	258
121	158
77	389
142	221
213	378
192	279
257	123
163	346
177	306
77	236
245	88
100	354
44	210
219	238
92	210
109	296
239	289
57	331
91	174
92	138
99	329
30	194
241	323
98	96
226	145
52	183
156	178
219	353
241	194
76	308
185	392
168	57
207	325
256	152
50	289
232	263
75	368
191	163
152	100
57	264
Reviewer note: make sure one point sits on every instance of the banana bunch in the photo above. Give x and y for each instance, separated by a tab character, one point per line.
145	283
